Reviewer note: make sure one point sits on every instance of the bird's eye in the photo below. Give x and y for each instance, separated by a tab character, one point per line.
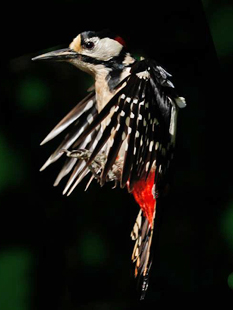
89	45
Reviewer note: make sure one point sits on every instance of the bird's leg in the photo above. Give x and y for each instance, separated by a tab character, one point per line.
97	164
79	154
83	154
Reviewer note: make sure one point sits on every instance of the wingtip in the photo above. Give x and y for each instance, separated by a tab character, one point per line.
71	188
56	182
46	139
68	193
65	190
42	142
46	164
43	168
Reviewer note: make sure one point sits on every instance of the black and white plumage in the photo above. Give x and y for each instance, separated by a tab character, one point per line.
122	131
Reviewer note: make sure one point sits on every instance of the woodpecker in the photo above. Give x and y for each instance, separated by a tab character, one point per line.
123	131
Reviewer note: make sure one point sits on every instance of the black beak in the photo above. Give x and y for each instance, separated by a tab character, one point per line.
63	54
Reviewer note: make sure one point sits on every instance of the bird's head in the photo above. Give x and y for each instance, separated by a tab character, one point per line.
89	50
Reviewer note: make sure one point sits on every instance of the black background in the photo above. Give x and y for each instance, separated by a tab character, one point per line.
192	261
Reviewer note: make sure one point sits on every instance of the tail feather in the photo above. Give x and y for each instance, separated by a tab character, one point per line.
142	234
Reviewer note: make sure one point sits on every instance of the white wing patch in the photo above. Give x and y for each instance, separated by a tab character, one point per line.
143	75
135	125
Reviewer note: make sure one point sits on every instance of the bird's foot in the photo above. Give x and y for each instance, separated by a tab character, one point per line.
97	165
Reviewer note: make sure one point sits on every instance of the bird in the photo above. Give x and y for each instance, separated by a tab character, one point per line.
123	131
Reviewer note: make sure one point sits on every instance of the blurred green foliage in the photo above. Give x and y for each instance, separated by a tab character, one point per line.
220	19
206	3
227	225
230	280
92	250
227	232
32	94
11	169
221	25
15	282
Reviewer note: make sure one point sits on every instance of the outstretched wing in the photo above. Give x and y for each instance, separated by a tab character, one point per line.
75	123
142	117
137	128
141	121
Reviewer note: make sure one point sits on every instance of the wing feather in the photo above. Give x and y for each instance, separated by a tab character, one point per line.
119	138
130	152
87	103
108	131
79	126
88	143
100	117
137	129
139	119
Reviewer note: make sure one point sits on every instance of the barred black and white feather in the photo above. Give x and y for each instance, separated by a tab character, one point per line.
142	118
142	234
132	135
141	123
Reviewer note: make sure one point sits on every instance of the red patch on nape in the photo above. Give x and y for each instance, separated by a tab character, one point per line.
120	40
142	192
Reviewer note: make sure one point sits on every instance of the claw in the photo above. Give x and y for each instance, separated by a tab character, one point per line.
80	154
96	165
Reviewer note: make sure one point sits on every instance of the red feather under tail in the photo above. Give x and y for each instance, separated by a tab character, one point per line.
143	194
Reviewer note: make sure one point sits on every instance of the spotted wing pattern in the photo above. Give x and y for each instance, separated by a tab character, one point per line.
141	120
131	136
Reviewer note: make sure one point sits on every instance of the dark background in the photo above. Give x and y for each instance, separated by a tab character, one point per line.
74	252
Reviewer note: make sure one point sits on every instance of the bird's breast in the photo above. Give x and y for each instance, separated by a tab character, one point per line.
103	95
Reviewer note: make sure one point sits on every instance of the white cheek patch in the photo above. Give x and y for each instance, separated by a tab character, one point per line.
109	48
104	49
